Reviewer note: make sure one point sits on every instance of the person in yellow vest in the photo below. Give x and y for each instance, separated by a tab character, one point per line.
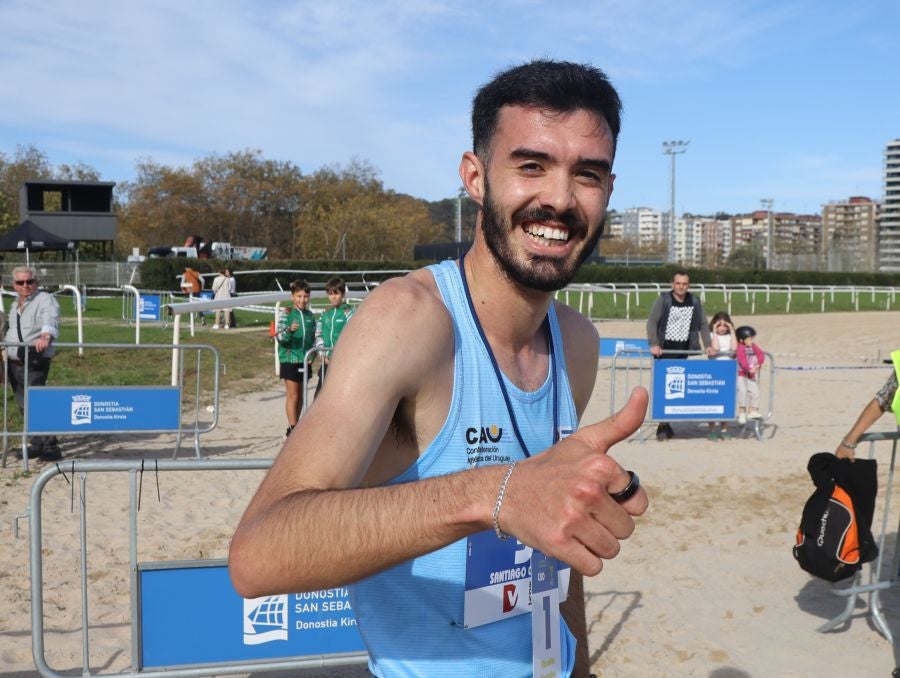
886	399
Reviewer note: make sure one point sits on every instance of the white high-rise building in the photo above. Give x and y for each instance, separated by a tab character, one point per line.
889	221
642	225
700	241
686	241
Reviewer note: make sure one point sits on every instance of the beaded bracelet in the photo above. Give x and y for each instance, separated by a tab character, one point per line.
496	514
849	446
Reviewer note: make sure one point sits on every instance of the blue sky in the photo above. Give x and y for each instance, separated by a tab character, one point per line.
788	100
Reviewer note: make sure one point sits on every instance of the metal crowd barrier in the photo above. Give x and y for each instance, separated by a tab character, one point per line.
69	409
876	583
632	367
135	470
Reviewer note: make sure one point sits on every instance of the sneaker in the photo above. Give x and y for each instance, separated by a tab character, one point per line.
742	418
51	454
754	415
215	327
227	327
664	432
725	435
712	436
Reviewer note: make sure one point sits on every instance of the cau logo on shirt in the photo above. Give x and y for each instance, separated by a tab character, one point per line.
488	434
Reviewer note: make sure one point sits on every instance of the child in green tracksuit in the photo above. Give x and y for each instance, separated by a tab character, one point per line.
296	335
331	323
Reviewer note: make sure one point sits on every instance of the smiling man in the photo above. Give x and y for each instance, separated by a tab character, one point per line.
457	419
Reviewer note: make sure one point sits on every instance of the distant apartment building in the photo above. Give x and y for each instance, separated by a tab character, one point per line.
686	241
796	238
716	242
889	219
613	224
850	235
642	225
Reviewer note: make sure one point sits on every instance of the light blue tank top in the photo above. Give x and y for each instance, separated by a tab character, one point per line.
411	615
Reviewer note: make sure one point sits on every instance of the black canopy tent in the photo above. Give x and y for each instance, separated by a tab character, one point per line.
29	237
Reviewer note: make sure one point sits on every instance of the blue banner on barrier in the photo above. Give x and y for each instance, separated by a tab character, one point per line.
694	389
611	346
58	409
149	307
191	614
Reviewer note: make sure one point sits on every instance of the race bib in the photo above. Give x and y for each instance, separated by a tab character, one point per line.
498	579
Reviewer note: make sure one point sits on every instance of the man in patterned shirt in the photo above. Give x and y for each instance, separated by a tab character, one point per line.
676	323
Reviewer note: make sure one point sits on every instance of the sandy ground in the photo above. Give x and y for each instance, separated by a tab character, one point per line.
707	585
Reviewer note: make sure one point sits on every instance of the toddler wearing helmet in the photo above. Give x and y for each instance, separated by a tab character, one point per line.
749	358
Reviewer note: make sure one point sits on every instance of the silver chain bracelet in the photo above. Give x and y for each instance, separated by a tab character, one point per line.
495	516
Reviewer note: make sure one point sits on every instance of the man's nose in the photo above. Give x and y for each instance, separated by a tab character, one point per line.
557	192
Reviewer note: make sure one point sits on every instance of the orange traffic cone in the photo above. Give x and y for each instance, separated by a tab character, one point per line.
272	331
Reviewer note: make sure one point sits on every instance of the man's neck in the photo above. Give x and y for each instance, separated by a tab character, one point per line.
510	314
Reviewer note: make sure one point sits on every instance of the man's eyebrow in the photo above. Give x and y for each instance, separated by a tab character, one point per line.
596	163
528	153
531	154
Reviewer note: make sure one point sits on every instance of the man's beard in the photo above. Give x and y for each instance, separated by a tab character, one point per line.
534	271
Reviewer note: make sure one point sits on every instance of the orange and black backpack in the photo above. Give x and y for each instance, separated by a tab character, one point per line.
834	539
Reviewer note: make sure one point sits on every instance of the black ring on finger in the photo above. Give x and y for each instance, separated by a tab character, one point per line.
634	483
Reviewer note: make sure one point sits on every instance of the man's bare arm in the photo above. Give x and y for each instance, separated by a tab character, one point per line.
310	526
314	527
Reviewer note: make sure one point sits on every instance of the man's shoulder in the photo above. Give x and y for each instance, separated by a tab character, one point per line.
402	328
579	333
572	320
414	292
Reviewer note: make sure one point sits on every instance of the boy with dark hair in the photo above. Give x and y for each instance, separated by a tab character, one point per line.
296	335
331	323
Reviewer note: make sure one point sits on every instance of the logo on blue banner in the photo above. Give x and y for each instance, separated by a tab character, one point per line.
81	410
675	382
265	619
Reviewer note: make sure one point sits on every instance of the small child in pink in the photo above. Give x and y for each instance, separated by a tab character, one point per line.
749	358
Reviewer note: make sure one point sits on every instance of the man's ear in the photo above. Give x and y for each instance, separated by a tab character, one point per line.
472	174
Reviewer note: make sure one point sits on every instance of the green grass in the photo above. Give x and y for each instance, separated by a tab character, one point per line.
246	355
605	305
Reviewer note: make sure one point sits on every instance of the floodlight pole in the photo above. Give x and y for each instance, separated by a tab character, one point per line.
673	148
767	204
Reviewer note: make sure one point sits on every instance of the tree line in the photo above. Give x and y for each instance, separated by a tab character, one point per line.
243	198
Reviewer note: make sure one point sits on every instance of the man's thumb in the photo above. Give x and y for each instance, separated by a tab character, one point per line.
603	435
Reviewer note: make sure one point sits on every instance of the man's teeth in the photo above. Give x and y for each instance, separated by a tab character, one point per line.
547	232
